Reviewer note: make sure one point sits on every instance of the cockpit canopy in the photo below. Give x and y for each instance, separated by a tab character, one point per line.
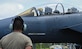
51	9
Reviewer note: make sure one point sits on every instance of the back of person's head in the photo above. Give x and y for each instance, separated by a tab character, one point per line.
18	23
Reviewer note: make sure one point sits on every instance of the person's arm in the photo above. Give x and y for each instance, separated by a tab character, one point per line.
0	48
29	44
28	47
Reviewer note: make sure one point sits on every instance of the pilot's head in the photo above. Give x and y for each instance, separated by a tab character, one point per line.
18	24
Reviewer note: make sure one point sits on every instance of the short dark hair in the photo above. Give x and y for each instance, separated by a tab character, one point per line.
18	23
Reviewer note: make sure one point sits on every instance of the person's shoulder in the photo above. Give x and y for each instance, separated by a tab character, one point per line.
6	36
25	36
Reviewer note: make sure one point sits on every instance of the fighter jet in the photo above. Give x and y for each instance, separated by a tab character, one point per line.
49	26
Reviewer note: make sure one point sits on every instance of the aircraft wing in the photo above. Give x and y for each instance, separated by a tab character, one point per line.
76	27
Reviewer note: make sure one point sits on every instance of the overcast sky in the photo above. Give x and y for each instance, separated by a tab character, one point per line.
10	8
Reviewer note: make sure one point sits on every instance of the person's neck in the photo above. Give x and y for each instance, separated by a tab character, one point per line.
17	31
